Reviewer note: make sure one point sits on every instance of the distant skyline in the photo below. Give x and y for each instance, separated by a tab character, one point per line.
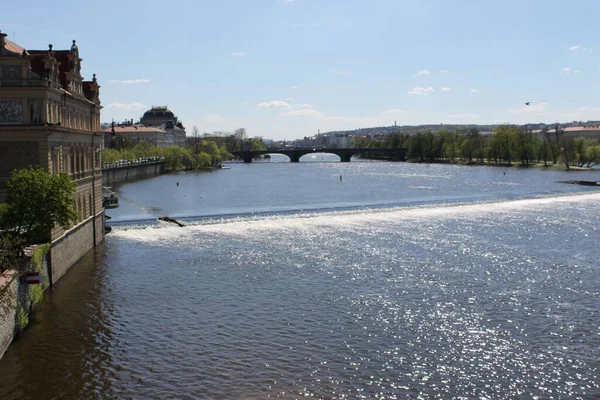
284	69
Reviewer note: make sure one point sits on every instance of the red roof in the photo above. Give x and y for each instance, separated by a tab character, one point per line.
13	47
135	129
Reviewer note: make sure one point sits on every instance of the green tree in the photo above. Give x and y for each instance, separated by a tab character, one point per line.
36	202
472	146
568	151
203	160
593	155
257	144
110	155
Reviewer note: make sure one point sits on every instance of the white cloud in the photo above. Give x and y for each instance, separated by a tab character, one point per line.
579	47
567	70
294	87
423	72
237	54
305	112
421	90
125	106
444	71
273	104
539	108
394	111
131	81
445	89
303	105
340	72
474	91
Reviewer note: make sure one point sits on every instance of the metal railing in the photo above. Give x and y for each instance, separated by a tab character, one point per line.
129	163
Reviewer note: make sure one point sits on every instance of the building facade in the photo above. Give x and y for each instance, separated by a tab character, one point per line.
158	126
162	117
50	118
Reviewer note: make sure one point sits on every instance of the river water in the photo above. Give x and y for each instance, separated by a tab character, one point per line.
397	281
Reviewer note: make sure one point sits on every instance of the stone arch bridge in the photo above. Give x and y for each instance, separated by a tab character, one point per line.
397	154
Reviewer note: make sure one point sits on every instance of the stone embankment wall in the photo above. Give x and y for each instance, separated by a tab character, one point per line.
129	172
74	244
17	298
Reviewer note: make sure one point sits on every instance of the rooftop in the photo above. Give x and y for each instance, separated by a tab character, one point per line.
134	129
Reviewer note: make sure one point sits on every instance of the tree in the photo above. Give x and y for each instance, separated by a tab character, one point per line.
203	160
36	202
195	138
593	155
449	141
257	144
554	138
506	139
568	150
472	146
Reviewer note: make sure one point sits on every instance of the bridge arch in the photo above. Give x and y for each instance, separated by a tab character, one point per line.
345	155
318	154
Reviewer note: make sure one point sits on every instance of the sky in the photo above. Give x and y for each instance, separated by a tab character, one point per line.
284	69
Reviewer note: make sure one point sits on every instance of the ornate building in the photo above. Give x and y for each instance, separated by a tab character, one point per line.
158	115
164	118
50	117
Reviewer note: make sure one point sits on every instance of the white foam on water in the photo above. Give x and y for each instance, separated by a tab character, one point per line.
335	220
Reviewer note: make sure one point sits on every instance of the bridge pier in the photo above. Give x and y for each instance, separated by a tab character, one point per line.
345	157
247	158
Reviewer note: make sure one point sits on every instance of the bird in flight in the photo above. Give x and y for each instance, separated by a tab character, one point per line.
527	103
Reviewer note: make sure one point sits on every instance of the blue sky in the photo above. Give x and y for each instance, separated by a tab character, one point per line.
284	69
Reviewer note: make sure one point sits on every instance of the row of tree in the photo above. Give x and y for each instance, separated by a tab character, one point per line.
238	141
196	154
507	144
200	151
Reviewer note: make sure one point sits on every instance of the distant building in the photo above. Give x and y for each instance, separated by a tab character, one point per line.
158	116
341	141
136	133
158	126
586	132
50	118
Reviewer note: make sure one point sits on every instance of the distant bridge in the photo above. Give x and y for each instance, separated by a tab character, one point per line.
398	154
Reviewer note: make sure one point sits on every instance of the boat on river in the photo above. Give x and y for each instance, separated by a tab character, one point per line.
109	199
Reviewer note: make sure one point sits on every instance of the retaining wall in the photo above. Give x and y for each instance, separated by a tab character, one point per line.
118	174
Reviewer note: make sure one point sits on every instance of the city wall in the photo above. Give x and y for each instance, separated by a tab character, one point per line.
116	174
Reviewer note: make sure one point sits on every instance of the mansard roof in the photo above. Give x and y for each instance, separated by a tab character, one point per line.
42	65
159	111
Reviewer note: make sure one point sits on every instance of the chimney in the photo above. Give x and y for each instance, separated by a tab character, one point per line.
2	36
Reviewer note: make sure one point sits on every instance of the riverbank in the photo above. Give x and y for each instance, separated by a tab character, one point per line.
557	167
18	298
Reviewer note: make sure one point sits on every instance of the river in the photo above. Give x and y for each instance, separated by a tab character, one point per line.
396	281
